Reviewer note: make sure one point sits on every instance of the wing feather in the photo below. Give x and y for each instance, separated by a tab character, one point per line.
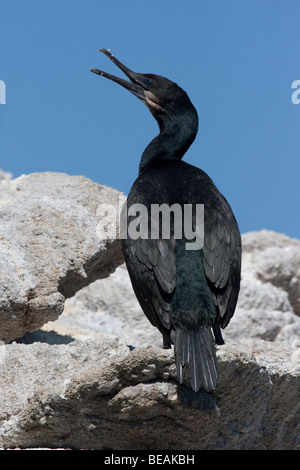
222	260
152	269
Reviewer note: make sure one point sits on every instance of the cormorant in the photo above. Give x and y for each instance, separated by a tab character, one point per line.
188	294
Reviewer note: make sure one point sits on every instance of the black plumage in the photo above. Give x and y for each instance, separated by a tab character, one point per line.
187	294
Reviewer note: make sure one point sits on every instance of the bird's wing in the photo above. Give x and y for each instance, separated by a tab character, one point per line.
222	259
152	269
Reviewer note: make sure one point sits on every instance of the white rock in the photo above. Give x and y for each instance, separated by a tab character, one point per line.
97	394
50	245
275	258
4	175
109	307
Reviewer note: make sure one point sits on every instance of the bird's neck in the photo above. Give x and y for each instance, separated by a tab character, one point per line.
175	137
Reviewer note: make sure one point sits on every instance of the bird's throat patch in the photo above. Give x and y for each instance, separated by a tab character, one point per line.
150	100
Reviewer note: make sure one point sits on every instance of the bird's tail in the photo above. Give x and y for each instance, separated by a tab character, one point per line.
196	350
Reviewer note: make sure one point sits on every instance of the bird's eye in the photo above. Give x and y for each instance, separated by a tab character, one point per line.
148	82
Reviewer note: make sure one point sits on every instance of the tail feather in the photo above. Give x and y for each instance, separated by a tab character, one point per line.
196	351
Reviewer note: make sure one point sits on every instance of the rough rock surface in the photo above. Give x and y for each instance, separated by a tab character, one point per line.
106	307
273	258
97	394
77	384
52	243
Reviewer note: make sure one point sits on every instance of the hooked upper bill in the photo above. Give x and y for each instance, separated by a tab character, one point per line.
133	86
137	85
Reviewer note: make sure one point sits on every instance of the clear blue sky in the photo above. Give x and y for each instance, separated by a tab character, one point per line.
236	59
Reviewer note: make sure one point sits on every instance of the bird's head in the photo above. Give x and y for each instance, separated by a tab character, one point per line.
164	98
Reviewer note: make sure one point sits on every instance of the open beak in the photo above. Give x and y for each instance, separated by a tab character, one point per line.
134	86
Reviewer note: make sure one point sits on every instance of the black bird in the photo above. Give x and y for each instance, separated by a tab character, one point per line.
188	294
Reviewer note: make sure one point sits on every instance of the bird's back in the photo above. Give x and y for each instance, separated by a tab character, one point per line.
185	292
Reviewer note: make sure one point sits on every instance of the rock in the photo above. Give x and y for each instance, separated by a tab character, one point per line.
97	394
53	242
107	307
253	326
268	303
90	379
263	296
273	258
4	175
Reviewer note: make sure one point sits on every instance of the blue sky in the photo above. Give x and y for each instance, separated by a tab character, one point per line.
236	59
